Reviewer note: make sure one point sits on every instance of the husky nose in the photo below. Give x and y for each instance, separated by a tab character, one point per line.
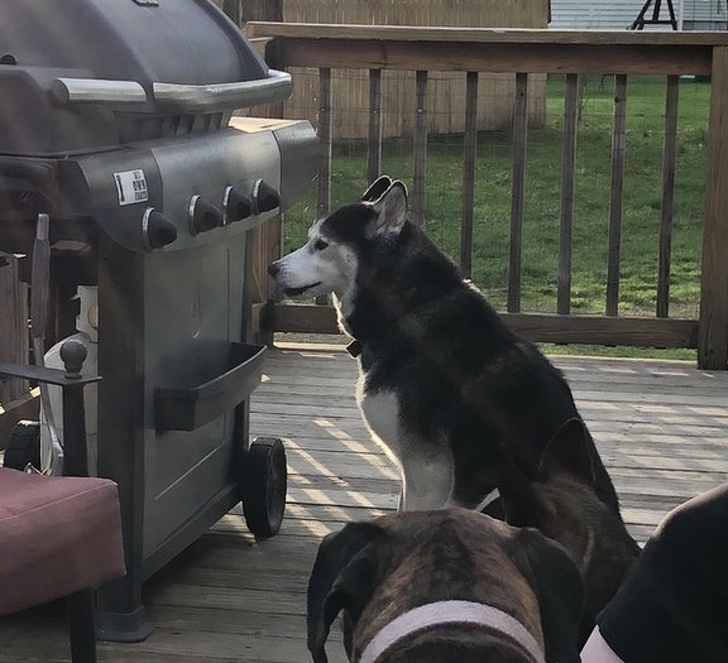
274	269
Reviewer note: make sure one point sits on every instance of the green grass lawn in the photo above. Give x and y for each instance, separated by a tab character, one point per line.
641	210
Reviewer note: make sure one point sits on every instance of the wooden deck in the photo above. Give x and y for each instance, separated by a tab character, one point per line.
662	429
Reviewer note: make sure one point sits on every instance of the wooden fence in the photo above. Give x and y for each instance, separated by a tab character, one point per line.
14	339
524	54
350	87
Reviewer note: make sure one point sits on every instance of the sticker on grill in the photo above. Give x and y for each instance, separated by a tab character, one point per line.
131	186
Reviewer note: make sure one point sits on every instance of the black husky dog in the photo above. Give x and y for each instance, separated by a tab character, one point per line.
443	380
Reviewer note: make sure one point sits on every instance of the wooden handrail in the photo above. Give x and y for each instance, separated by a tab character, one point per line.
321	31
501	50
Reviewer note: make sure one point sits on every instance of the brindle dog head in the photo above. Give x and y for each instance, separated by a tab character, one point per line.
560	502
375	571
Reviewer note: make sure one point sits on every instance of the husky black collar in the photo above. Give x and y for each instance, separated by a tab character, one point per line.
425	617
354	348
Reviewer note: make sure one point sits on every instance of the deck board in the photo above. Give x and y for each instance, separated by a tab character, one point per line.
661	427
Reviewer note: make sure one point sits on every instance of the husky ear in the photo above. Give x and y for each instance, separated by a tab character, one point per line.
376	189
567	452
391	210
560	595
342	578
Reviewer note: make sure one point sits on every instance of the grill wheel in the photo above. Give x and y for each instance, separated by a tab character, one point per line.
264	486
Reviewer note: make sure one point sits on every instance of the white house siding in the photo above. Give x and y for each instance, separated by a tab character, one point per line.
577	14
705	15
620	14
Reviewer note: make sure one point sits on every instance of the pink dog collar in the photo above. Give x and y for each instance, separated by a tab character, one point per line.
450	612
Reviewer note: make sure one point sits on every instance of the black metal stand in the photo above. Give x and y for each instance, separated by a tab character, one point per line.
81	617
641	21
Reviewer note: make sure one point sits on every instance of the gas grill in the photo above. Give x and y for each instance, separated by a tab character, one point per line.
115	121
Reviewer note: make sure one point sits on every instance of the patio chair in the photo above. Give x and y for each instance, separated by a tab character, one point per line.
60	535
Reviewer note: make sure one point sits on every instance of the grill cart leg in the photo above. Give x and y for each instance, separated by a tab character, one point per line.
120	614
133	626
264	486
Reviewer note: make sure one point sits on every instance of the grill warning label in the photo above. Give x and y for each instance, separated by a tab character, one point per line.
131	186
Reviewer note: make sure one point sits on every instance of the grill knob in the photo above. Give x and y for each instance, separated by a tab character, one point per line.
236	205
265	197
157	229
203	216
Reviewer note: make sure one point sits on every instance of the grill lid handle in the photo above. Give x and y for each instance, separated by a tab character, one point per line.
277	86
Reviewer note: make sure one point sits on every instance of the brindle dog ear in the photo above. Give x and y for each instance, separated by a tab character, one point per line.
521	504
567	451
560	596
376	189
342	578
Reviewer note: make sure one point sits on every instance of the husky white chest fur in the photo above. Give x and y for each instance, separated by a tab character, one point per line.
428	470
444	384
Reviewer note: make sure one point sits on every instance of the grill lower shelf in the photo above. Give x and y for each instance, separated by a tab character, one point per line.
187	409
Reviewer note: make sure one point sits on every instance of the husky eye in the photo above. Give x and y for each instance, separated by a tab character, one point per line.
320	245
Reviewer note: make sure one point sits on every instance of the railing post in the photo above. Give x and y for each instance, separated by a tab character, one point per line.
323	202
667	205
713	322
268	237
420	150
374	157
520	131
619	149
470	144
568	174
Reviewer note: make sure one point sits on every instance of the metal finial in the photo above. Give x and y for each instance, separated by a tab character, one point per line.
73	354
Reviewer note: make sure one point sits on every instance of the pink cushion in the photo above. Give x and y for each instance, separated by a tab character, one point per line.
58	535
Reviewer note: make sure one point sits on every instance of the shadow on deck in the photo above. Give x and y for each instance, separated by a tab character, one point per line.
661	427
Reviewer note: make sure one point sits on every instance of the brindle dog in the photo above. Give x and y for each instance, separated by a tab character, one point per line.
444	585
560	501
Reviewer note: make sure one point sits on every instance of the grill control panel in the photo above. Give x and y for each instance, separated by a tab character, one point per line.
168	195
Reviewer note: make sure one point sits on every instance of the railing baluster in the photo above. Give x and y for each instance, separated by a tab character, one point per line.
470	144
520	130
619	148
425	49
323	203
420	150
667	205
568	172
374	156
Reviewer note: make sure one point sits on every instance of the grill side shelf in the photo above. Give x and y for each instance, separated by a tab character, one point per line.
186	409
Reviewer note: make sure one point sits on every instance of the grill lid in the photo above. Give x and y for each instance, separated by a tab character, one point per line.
83	75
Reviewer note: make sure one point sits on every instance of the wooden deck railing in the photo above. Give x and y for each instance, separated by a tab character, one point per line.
524	53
